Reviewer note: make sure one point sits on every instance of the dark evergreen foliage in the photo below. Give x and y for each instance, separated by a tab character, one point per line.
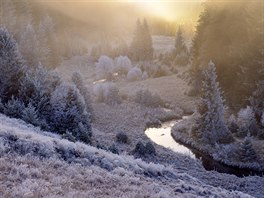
122	138
232	36
247	152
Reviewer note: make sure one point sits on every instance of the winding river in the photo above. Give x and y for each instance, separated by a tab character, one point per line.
162	136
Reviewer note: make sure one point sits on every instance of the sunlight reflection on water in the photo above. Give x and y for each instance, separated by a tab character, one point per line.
162	136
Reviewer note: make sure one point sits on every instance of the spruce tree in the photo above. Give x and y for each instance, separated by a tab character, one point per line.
29	46
212	127
179	45
141	47
11	66
246	151
257	100
147	42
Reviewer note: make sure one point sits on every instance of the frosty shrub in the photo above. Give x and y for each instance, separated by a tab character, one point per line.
104	68
134	74
150	149
14	108
113	149
246	122
30	115
123	65
122	138
144	150
107	93
145	97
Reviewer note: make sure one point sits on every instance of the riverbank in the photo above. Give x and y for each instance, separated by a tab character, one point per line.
223	154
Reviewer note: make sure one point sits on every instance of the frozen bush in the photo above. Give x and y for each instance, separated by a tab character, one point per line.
144	150
107	93
111	94
150	149
145	97
68	135
30	115
246	121
113	149
134	74
104	68
14	108
122	138
123	65
139	149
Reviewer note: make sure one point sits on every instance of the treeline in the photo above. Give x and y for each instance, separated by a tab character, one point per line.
39	36
231	34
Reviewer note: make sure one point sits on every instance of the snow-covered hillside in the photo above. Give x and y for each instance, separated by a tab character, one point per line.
36	163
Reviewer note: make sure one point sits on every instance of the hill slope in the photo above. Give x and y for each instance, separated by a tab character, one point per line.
36	163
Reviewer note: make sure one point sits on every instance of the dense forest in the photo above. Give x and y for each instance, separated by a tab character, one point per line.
231	34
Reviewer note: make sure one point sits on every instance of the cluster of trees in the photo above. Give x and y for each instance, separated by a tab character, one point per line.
212	127
141	48
38	96
107	93
18	17
107	68
231	34
37	33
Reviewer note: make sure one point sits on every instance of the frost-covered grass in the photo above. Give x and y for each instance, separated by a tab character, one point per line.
27	176
33	164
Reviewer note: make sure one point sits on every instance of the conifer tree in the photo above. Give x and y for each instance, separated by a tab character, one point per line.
29	46
246	151
212	127
141	47
68	111
179	45
257	100
77	79
147	47
11	66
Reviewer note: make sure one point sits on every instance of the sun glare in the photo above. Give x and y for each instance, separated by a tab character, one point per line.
156	8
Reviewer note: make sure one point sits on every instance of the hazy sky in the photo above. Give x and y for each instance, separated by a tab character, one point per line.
119	16
167	9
